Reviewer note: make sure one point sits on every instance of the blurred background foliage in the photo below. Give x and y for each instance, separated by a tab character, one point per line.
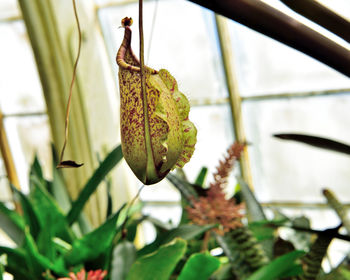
242	86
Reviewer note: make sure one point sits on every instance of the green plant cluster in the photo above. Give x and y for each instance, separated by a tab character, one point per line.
52	238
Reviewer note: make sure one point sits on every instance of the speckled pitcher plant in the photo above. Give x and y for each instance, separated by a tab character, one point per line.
156	133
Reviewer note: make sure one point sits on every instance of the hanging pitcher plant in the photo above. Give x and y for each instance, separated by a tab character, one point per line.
156	133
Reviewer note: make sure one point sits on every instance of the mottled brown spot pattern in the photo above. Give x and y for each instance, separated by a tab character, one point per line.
172	135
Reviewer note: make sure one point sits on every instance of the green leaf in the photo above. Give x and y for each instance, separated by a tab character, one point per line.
199	266
49	213
261	231
131	229
200	180
294	270
280	267
2	264
124	255
180	173
342	272
224	272
265	229
185	188
30	216
16	263
253	207
36	175
106	166
160	264
319	142
84	224
58	188
186	232
37	262
255	212
95	243
59	191
36	170
44	240
61	246
11	223
109	198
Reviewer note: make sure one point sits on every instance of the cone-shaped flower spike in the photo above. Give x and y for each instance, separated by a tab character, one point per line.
155	131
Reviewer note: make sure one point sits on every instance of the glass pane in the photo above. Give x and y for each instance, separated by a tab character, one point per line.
29	136
265	66
188	51
215	135
20	89
341	7
8	8
286	170
162	191
165	213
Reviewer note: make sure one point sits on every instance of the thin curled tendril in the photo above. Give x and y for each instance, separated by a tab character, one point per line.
70	163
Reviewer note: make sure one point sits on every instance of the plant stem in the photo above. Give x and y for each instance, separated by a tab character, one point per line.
151	170
131	203
206	241
66	128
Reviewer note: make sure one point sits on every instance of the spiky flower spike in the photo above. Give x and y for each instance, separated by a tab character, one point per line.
214	208
155	131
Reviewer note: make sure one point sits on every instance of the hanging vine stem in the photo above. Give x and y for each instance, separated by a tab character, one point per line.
144	96
150	167
142	58
123	228
70	163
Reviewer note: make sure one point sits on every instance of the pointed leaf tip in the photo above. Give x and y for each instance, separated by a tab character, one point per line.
69	164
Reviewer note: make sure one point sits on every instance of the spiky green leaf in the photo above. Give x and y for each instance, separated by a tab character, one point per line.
30	217
186	232
202	175
160	264
199	266
95	243
11	223
281	267
106	166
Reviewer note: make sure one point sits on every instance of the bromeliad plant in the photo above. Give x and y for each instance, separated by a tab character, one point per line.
253	250
49	242
48	246
52	243
214	208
